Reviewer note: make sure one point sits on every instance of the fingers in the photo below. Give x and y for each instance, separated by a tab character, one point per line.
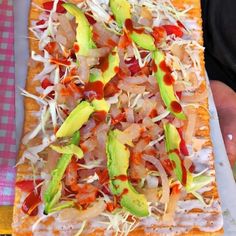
225	101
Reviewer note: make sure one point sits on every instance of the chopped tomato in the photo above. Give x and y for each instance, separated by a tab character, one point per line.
49	5
31	202
110	90
136	158
71	173
118	119
50	47
167	166
41	22
99	116
124	41
86	194
159	33
61	62
28	185
111	43
89	17
106	189
103	176
153	113
179	94
175	189
173	29
110	206
66	92
183	148
150	166
46	83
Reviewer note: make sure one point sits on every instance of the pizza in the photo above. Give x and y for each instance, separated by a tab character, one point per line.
116	130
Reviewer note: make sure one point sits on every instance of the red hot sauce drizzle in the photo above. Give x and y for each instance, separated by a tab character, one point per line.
168	79
94	90
121	177
175	107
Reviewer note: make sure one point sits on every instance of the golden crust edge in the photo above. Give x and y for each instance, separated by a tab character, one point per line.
30	106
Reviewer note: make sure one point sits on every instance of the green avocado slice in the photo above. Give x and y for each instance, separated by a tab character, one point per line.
121	10
53	193
145	41
172	143
83	30
76	119
118	164
113	64
166	91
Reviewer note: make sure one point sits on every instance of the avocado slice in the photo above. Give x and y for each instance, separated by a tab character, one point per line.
166	91
76	119
83	30
113	65
118	164
53	191
145	41
101	105
172	147
121	10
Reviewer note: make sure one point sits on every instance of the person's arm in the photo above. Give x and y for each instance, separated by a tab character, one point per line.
225	100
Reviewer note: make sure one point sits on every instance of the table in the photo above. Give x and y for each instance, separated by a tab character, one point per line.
7	113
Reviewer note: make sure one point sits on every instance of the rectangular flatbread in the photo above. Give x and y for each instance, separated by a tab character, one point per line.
116	130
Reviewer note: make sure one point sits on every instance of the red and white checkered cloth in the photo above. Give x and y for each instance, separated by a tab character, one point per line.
7	104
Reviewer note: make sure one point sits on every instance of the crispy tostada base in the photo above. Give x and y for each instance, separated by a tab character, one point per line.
22	223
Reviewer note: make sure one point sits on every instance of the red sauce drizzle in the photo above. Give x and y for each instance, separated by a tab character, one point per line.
168	79
31	202
175	107
182	146
173	164
94	90
116	69
99	116
154	67
76	47
125	191
121	177
164	67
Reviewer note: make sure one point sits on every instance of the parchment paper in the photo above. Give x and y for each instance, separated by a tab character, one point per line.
224	175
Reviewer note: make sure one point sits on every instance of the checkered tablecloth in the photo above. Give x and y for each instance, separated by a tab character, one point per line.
7	104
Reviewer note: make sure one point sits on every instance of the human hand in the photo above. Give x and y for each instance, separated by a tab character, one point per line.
225	101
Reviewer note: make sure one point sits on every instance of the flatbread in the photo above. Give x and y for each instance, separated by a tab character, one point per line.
195	222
